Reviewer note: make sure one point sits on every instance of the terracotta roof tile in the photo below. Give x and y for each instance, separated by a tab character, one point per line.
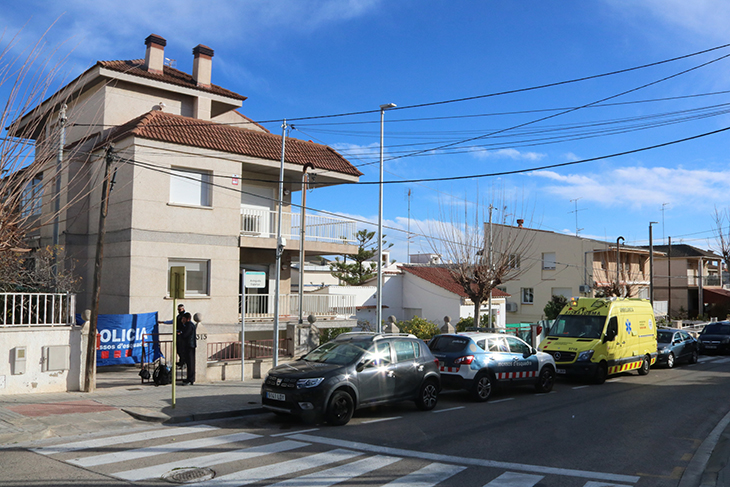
441	277
169	75
176	129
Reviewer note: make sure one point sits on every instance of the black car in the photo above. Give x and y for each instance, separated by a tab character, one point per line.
353	371
675	346
715	338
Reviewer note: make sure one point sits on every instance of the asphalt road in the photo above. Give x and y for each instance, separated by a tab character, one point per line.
630	431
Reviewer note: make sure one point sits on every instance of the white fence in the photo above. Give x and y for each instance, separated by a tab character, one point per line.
262	305
36	309
262	223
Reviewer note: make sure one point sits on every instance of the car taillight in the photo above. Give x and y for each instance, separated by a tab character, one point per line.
464	360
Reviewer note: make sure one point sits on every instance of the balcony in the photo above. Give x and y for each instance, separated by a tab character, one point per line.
334	306
261	223
706	281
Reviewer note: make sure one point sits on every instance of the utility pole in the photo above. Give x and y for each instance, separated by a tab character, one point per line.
302	235
90	376
651	264
491	271
280	244
669	279
409	227
57	203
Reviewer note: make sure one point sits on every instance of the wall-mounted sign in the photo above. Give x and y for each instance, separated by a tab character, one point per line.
255	280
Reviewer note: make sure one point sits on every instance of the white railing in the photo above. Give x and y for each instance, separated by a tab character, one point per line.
36	309
334	305
258	222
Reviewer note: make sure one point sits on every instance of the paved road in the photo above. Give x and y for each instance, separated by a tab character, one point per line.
631	431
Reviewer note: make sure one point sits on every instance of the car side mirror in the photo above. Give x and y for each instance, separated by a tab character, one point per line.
529	353
363	364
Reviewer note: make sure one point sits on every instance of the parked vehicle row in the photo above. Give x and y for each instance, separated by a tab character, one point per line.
357	370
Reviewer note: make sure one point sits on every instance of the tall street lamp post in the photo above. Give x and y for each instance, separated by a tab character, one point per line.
651	263
379	304
618	262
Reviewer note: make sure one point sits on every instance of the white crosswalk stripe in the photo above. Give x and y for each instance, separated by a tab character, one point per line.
210	460
512	479
428	476
122	439
123	456
257	474
335	475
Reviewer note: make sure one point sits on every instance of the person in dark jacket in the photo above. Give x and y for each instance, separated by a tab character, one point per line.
189	340
178	330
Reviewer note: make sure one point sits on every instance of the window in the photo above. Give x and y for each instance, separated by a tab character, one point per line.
31	199
527	295
514	261
189	187
405	350
517	346
548	261
196	276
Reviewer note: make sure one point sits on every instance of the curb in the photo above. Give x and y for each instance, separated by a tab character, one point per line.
149	415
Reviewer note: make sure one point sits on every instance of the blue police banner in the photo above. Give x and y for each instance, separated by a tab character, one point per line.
125	339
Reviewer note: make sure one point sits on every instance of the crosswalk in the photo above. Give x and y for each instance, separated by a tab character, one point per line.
300	459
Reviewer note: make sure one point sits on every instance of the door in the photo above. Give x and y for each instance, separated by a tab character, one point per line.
524	363
407	373
376	381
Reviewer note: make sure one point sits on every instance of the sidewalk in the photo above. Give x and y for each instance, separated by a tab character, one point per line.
121	401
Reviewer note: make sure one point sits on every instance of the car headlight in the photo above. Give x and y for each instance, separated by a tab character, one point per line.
585	356
308	383
663	350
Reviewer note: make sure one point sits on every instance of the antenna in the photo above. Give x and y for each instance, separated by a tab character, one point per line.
409	227
663	205
577	230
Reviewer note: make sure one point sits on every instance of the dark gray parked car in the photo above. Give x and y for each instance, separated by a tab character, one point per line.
353	371
715	338
675	346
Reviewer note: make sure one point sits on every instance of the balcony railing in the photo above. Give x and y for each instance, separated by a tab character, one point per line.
36	309
331	305
257	222
228	351
706	280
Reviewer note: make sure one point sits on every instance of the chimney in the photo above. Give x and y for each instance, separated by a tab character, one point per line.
154	57
520	221
202	64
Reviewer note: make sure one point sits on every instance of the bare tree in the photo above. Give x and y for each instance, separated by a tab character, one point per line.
722	235
476	262
631	278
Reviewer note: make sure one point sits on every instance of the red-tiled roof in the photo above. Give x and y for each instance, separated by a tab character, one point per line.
441	277
168	75
176	129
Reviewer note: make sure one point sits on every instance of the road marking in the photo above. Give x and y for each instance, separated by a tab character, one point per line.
380	420
449	409
428	476
603	484
119	440
295	432
580	387
331	476
116	457
458	460
502	400
512	479
722	360
617	379
209	460
258	474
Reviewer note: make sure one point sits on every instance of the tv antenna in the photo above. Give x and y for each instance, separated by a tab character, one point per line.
577	230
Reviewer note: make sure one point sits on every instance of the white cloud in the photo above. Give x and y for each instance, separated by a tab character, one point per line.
636	187
513	154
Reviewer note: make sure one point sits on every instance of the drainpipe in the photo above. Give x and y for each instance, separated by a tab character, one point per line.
302	234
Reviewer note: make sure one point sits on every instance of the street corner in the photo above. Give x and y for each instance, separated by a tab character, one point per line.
145	414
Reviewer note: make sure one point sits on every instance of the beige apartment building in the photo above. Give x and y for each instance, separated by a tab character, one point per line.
195	184
552	263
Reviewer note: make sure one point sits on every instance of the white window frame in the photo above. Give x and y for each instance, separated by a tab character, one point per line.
549	261
190	187
527	295
32	198
514	261
192	267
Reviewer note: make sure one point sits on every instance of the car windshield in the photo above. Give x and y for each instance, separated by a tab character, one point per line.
664	336
448	344
338	353
578	326
717	329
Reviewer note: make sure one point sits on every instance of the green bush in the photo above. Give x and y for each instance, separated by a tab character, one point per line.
328	334
468	322
421	327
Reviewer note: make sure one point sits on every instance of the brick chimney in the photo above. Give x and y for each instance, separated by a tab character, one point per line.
154	57
202	64
520	222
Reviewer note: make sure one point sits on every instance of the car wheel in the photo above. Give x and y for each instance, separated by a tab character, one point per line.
427	396
670	360
645	365
546	380
694	358
482	388
340	408
601	373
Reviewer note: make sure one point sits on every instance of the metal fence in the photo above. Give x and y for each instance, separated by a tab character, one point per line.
260	222
335	305
223	351
36	309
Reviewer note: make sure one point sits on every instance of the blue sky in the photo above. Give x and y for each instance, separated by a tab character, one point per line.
296	59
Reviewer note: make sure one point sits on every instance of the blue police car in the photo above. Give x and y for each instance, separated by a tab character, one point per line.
479	362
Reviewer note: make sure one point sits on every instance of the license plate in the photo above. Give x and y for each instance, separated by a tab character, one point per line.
275	396
710	346
560	371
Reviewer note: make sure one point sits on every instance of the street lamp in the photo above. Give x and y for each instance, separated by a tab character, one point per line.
379	304
651	263
618	262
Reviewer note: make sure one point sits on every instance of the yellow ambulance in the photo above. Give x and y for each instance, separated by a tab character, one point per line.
593	338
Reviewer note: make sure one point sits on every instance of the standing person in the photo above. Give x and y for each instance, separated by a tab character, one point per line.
178	331
189	340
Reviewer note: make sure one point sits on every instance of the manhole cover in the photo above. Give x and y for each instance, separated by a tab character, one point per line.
188	475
